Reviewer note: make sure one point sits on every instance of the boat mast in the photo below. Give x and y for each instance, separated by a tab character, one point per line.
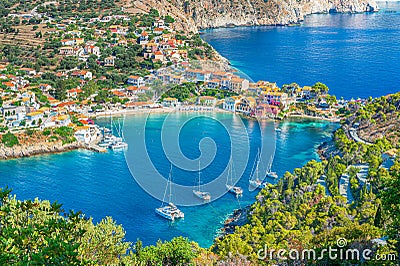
258	162
170	185
199	178
230	174
166	188
229	170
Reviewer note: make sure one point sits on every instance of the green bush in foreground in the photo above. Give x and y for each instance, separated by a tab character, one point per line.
41	233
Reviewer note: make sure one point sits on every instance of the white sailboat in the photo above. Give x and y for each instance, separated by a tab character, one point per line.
118	143
206	196
255	180
270	173
169	211
238	191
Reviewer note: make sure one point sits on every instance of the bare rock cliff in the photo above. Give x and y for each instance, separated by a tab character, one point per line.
221	13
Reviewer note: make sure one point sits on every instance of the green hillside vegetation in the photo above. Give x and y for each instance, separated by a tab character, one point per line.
379	118
42	233
297	213
190	91
9	140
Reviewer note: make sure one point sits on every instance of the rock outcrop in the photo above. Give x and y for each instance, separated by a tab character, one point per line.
28	150
202	14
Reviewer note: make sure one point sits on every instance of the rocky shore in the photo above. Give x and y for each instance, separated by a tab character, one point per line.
238	218
27	150
327	149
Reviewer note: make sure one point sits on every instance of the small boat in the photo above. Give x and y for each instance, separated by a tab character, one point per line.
272	174
256	183
206	196
118	145
104	145
111	138
238	191
202	195
277	129
170	211
254	180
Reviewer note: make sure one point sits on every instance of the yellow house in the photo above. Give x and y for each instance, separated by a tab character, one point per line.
79	41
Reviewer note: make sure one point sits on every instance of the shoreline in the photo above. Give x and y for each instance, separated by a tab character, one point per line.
39	149
200	109
333	120
48	148
297	23
163	110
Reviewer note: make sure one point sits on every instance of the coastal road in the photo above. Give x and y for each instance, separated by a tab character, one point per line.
363	174
322	182
354	135
344	188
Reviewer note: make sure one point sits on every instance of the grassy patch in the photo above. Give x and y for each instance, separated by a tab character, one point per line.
9	140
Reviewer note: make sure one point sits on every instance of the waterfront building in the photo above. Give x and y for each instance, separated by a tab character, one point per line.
264	110
246	105
207	101
170	102
239	85
230	103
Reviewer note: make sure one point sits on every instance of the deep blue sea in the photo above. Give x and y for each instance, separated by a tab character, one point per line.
101	185
356	55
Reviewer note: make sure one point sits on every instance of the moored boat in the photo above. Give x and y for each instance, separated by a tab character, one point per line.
254	180
271	174
118	145
238	191
206	196
170	211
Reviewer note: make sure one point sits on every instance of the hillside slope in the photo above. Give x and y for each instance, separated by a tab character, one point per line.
213	13
379	118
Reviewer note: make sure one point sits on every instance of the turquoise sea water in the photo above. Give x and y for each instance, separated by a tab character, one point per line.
356	55
101	185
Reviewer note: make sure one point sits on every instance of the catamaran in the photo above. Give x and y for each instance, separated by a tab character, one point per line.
255	180
238	191
169	211
206	196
